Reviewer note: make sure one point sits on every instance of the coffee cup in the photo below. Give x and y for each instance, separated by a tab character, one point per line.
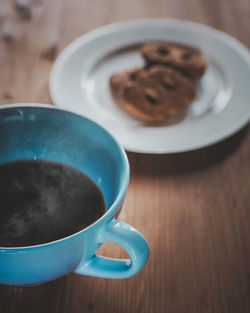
37	131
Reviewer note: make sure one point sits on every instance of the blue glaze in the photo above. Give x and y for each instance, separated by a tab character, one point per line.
33	131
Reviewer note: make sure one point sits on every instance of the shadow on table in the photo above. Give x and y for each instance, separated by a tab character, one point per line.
40	299
69	294
186	162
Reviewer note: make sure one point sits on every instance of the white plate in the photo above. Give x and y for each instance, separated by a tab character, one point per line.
79	81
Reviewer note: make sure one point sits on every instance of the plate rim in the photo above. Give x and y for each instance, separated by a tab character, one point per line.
73	46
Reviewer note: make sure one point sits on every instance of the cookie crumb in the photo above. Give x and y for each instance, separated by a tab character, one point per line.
50	53
23	9
8	35
7	98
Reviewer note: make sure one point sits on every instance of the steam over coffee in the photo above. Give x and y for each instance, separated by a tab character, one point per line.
42	201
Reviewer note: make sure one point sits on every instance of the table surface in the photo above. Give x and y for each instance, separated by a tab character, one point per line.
194	207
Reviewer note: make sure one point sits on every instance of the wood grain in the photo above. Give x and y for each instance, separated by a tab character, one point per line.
194	208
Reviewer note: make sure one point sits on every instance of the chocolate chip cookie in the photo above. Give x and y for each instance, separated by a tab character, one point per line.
188	60
152	94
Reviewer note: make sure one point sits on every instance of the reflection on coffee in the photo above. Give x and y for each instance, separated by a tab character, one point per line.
42	201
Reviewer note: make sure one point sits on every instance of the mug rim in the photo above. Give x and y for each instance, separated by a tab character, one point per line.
118	199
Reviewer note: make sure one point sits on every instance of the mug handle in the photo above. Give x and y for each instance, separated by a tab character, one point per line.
127	237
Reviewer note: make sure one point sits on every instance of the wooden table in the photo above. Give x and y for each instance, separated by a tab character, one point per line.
194	208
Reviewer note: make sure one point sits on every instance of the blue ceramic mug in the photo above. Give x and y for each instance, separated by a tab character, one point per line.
34	131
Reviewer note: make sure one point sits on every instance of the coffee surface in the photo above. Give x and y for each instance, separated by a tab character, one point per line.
42	201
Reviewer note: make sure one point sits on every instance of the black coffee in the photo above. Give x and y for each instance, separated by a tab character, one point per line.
42	201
